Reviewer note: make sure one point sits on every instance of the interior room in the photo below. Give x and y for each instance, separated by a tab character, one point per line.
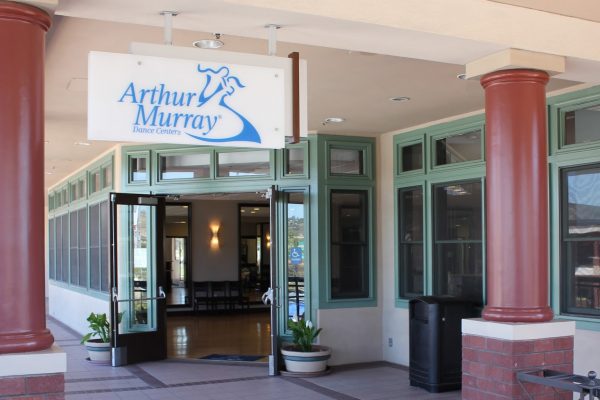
217	266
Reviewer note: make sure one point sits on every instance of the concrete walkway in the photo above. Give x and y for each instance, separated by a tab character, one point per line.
181	379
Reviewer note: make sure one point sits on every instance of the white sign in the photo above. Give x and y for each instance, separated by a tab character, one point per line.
136	98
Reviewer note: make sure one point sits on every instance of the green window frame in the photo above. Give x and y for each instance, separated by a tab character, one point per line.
365	151
401	157
138	155
268	175
439	133
410	247
285	159
188	152
427	178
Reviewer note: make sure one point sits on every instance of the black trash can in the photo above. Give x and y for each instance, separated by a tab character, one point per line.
436	341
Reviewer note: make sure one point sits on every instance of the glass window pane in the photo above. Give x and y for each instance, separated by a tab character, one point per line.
73	249
184	166
350	265
73	187
138	169
246	163
411	241
457	270
581	241
51	249
346	161
104	246
58	255
65	248
82	247
458	148
458	258
107	177
95	247
295	254
81	188
294	161
581	126
94	182
458	211
412	157
583	196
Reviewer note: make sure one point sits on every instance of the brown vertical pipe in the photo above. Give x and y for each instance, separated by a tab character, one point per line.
295	56
22	298
517	196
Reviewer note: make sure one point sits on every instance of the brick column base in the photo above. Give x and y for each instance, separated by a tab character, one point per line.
494	352
33	387
37	375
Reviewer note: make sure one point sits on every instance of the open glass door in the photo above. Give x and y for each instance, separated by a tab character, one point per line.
138	301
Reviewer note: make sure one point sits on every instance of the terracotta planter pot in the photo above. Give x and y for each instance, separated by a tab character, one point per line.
306	362
98	351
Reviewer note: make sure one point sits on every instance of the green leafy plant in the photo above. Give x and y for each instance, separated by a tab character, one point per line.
303	334
100	327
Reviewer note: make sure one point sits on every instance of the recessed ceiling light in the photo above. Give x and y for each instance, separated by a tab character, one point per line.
209	43
462	77
256	209
333	120
82	144
400	98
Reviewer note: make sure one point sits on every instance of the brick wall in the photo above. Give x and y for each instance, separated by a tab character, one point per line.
490	365
33	387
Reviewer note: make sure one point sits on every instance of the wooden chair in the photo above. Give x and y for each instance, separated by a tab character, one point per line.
236	297
202	295
218	295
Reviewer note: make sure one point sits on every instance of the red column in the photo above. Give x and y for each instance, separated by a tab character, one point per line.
517	196
22	299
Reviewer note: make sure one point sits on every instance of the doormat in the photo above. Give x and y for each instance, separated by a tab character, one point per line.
231	357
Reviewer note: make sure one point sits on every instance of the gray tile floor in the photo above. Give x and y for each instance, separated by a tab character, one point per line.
183	380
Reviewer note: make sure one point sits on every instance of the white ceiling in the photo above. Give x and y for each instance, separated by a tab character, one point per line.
359	54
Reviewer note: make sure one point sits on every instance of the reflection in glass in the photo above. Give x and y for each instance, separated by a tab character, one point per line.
581	126
138	169
346	161
581	240
349	244
411	241
457	259
184	166
412	157
294	161
458	148
295	254
244	163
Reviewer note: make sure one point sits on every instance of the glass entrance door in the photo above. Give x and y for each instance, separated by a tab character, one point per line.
138	309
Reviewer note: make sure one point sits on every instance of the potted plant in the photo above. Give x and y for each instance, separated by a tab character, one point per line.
99	348
303	356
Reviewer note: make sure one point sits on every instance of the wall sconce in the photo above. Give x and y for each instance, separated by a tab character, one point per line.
268	237
214	238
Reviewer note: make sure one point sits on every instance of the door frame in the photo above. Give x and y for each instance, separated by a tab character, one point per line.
140	346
